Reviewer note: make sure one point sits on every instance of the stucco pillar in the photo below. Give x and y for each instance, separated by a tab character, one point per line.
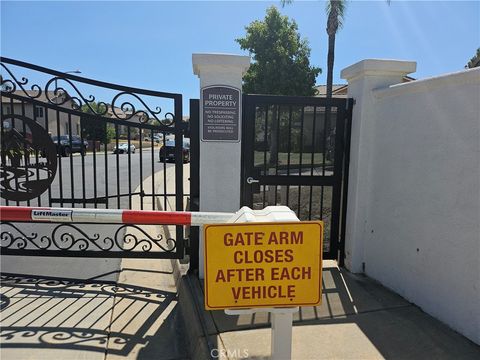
363	77
220	153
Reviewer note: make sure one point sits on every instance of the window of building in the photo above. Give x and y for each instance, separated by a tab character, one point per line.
6	109
38	111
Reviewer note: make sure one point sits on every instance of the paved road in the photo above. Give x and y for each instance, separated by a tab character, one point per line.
94	182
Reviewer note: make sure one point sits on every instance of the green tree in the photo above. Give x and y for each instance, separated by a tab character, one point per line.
96	129
281	65
281	57
474	61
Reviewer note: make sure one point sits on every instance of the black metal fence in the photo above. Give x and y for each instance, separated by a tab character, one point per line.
294	154
121	148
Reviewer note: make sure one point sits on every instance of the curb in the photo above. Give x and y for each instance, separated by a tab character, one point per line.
198	329
198	325
198	334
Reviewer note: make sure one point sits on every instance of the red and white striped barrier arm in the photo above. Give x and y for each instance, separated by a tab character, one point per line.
144	217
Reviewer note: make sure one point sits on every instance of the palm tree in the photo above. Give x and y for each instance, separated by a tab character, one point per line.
335	11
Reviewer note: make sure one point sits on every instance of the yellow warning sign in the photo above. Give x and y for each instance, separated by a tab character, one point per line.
263	264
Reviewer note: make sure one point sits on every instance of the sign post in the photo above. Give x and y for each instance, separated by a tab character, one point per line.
275	267
282	320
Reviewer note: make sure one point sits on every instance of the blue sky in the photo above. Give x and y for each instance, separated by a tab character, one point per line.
149	44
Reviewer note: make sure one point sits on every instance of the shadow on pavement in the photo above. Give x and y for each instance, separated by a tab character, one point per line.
358	318
87	316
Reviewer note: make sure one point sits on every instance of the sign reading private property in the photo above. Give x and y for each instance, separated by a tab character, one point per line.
221	114
250	265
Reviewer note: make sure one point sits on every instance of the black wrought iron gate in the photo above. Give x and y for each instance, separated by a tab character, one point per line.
292	155
121	148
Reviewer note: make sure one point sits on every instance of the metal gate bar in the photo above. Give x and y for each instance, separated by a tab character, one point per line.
111	216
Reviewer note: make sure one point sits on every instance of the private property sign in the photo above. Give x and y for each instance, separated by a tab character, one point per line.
221	113
250	265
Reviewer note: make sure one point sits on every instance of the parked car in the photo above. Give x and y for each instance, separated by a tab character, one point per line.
68	144
167	151
123	149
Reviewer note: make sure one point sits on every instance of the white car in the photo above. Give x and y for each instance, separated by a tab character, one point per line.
123	148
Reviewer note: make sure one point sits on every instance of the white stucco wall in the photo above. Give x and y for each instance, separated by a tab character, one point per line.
419	231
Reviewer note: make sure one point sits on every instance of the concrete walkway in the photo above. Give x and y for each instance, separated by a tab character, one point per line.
157	322
358	319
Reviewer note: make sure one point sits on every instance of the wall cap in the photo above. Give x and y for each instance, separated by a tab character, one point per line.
211	60
378	67
463	77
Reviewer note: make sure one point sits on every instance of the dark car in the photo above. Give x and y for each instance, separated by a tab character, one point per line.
167	151
67	144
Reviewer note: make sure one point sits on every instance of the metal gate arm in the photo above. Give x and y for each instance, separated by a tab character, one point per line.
112	216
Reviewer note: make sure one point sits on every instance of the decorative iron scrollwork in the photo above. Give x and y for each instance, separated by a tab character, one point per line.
69	237
122	106
77	100
10	85
129	111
